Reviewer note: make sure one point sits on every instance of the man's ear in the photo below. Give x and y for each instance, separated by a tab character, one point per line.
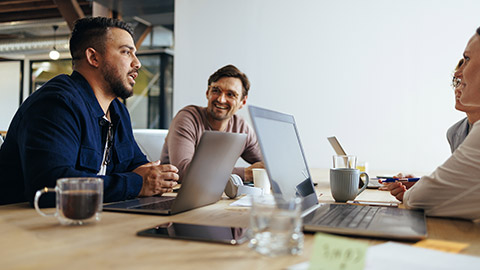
206	93
92	57
243	102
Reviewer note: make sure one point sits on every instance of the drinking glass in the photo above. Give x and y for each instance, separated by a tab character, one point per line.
276	225
344	161
79	200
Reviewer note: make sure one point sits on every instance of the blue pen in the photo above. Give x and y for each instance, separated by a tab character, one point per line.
391	180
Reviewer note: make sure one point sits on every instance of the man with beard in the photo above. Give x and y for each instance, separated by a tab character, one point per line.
74	126
227	92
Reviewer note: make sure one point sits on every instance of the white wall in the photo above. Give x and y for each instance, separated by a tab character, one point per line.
9	91
375	73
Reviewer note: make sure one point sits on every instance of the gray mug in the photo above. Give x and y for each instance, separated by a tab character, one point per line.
344	183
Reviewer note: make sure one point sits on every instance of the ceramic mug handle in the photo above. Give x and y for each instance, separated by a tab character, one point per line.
365	184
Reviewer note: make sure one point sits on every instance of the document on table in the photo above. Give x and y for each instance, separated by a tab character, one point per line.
395	256
245	201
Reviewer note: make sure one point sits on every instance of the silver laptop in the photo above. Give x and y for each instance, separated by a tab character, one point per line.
202	184
289	175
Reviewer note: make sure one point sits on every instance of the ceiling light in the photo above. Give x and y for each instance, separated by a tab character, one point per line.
54	54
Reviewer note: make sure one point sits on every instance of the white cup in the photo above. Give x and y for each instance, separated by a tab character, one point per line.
260	180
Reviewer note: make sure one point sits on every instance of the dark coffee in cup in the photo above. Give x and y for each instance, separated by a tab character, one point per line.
79	200
79	204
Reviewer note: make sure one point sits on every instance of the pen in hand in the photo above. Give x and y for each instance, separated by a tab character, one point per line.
391	180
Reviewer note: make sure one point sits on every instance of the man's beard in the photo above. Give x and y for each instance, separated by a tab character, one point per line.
114	81
219	117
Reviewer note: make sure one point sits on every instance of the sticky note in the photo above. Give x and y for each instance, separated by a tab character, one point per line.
337	253
447	246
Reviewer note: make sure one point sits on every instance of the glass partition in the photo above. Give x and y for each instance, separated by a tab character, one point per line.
151	103
42	71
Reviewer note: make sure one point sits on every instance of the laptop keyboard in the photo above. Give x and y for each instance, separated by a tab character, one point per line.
164	204
348	216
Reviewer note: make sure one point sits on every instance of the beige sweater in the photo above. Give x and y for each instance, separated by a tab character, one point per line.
453	189
186	130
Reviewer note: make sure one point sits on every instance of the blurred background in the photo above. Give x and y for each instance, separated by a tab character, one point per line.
374	73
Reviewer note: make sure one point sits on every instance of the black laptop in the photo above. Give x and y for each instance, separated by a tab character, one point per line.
289	175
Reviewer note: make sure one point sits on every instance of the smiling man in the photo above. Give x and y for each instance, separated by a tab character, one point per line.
74	125
227	93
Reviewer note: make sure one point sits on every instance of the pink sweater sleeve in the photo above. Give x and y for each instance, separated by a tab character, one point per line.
185	132
183	136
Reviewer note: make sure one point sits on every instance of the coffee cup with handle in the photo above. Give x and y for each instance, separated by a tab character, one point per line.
344	183
78	200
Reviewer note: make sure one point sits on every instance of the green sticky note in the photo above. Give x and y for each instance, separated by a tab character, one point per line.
337	253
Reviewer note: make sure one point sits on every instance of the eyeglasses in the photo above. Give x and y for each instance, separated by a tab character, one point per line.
456	82
229	94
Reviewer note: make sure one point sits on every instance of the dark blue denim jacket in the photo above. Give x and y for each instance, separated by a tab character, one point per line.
57	132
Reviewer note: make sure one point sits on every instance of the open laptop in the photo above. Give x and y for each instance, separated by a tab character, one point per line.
289	175
203	182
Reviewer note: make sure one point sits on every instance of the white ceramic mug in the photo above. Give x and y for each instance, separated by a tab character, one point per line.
260	180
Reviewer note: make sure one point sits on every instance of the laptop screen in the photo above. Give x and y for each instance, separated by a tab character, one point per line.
282	153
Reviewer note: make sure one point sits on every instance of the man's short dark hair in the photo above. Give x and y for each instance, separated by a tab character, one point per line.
478	30
91	32
231	71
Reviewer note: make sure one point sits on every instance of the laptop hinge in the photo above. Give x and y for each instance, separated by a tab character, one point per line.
311	209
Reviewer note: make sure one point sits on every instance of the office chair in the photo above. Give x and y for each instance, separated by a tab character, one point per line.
150	141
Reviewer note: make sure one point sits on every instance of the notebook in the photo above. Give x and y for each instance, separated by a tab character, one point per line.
336	146
289	175
203	182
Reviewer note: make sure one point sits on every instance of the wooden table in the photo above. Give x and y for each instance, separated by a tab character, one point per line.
29	241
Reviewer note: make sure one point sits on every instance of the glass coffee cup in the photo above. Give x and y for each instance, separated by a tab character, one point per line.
79	200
